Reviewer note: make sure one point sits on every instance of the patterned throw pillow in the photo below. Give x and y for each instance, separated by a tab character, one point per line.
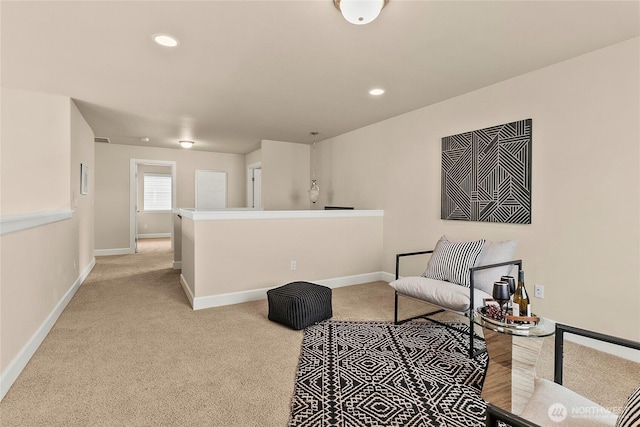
451	261
630	415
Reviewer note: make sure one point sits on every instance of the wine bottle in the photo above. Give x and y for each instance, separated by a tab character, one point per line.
521	305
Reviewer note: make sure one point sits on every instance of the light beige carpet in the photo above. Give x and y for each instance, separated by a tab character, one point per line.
129	350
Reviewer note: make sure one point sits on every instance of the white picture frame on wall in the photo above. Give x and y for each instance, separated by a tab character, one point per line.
84	179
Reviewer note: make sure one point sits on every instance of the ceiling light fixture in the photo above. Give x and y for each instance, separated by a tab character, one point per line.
165	40
376	92
360	12
186	144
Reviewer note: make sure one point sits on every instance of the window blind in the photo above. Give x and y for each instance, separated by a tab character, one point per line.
157	192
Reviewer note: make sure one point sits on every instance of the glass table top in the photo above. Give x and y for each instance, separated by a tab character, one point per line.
543	328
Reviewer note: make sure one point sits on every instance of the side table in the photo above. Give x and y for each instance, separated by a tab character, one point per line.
513	353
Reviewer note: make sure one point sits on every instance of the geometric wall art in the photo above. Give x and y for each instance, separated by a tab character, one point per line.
486	174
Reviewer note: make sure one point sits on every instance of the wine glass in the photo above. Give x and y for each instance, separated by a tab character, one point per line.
511	281
501	293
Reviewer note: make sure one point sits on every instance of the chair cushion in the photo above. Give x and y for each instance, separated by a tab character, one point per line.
444	294
451	261
630	415
553	404
493	253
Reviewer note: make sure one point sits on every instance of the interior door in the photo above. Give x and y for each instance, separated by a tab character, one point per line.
137	208
257	188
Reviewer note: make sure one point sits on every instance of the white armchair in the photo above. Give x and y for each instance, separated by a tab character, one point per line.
459	275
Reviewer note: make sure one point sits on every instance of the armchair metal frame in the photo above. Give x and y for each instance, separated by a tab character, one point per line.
426	316
559	345
495	414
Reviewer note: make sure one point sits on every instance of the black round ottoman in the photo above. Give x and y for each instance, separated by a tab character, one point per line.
299	304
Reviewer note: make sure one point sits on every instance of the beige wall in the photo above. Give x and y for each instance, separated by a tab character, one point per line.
112	184
38	269
177	241
188	250
43	265
253	157
355	173
584	241
35	134
285	175
82	151
323	248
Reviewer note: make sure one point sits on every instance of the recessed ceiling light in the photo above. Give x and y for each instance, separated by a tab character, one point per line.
165	40
186	144
376	92
144	139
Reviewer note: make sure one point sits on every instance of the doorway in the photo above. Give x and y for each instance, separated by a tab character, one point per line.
134	205
254	186
154	245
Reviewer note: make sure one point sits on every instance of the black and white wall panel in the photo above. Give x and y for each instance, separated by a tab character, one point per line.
486	174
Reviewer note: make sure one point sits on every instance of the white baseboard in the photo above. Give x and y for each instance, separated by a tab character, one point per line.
605	347
177	265
187	290
339	282
154	235
387	277
228	299
260	294
8	377
109	252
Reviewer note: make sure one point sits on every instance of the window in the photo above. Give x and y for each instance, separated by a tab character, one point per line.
157	192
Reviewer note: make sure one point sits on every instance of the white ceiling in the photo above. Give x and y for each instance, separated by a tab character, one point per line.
251	70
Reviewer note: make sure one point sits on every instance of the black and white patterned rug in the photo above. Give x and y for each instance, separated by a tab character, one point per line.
380	374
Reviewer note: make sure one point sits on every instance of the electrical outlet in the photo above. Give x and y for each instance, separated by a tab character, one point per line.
538	291
293	265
